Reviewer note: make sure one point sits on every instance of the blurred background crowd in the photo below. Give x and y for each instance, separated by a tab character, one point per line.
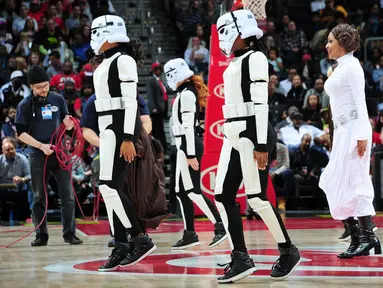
56	35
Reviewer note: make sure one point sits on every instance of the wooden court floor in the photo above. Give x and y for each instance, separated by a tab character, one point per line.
62	265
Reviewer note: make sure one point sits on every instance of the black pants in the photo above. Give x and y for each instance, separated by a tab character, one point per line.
232	181
65	192
116	183
187	206
172	191
285	180
158	131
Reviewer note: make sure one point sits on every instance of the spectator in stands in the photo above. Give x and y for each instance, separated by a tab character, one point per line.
52	14
284	24
312	111
281	175
49	38
288	121
297	92
307	70
67	75
319	91
197	57
157	103
187	20
70	95
9	127
35	10
332	7
377	75
84	20
210	16
23	48
275	60
30	29
73	22
374	60
200	34
292	135
86	91
293	41
55	66
80	47
34	59
14	91
274	79
272	39
288	83
15	171
275	98
18	23
325	63
6	38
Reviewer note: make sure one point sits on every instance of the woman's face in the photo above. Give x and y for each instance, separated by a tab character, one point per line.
375	53
272	55
297	81
86	30
333	48
199	31
210	5
30	25
35	59
313	100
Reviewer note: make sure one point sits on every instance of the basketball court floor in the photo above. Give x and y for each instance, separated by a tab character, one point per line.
62	265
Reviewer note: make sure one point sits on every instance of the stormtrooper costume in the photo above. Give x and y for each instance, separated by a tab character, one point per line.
185	115
115	82
247	129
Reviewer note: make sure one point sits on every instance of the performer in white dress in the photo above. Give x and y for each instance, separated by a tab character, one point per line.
346	180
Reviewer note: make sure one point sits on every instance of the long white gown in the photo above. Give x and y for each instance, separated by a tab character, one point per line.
346	179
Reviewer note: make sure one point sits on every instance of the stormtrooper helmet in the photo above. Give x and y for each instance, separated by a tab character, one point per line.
240	23
109	28
176	71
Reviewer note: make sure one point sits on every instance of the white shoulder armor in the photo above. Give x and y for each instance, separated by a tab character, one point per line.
127	68
188	101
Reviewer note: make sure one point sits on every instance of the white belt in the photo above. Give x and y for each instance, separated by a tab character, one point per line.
178	130
109	104
238	110
346	117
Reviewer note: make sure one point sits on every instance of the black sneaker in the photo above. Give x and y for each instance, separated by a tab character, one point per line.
220	234
72	240
142	246
189	239
41	240
346	236
286	263
241	266
119	253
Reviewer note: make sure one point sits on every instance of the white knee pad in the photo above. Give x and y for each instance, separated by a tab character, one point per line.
113	203
264	209
225	221
249	166
201	203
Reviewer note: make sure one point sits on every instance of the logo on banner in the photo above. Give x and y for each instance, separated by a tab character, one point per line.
219	91
216	129
208	179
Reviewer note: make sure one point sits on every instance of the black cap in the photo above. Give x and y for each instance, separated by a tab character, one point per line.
297	115
37	74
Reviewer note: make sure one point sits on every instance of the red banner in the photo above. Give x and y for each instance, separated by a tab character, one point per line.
213	137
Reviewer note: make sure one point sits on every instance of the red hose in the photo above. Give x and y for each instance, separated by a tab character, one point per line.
67	157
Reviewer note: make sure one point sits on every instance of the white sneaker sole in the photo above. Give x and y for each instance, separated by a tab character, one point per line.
185	247
348	238
239	276
219	241
141	258
286	276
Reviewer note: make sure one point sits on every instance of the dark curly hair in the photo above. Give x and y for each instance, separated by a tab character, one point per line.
347	37
134	49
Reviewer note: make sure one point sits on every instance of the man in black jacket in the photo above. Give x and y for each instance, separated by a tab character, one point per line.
157	103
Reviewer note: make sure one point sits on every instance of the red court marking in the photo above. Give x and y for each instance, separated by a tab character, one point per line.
156	264
102	228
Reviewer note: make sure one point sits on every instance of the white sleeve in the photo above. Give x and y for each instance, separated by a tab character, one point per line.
127	72
188	110
362	129
259	75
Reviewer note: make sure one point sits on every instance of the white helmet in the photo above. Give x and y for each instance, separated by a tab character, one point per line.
233	24
176	71
109	28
